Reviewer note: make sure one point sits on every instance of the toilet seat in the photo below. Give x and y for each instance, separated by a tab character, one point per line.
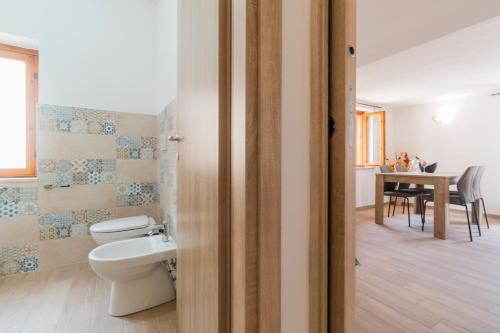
122	228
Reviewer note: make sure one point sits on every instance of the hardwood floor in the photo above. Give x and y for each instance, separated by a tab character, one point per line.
409	281
71	299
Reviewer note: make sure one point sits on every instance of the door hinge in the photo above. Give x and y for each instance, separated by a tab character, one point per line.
331	126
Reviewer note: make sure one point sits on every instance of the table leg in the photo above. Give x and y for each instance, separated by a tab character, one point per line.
441	208
379	199
418	201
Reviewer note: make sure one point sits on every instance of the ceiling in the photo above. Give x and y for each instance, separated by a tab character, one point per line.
422	55
387	27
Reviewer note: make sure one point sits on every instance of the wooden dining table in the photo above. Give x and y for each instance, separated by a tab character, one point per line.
441	182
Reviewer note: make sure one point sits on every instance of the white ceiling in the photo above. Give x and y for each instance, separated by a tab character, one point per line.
421	68
387	27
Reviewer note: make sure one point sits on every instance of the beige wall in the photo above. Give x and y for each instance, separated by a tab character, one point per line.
295	167
109	162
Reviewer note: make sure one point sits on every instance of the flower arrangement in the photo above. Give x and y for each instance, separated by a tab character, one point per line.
409	162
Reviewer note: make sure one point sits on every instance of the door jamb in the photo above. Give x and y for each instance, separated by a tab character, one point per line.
256	167
332	243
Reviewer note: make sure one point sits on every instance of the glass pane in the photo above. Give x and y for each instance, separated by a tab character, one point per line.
374	136
12	114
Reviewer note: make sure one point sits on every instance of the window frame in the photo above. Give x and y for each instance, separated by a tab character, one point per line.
30	58
361	146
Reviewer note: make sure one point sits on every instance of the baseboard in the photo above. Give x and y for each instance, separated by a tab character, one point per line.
365	207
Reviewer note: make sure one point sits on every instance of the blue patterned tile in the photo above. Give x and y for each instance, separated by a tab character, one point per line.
9	209
108	165
136	194
64	178
54	118
28	194
63	125
77	172
95	165
95	177
135	188
108	129
78	126
15	201
47	165
71	224
28	264
134	153
136	147
63	166
18	259
63	231
28	208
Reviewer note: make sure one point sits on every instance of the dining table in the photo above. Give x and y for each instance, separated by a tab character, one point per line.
441	183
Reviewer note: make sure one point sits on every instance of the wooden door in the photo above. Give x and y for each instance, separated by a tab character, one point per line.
332	242
203	167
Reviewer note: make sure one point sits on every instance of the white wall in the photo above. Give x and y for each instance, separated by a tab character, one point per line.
93	53
295	168
470	139
166	53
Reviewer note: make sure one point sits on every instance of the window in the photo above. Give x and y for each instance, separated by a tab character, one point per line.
370	138
18	98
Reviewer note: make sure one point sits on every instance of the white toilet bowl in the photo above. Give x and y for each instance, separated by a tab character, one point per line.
123	228
134	267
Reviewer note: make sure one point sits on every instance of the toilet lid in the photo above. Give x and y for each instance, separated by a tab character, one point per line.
123	224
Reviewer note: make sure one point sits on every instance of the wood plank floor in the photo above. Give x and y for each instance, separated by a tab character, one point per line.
407	282
71	299
410	282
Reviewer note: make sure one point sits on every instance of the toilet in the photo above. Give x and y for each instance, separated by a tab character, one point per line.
122	228
134	265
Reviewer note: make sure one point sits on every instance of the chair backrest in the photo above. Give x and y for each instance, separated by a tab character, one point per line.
476	184
402	186
431	168
465	184
388	186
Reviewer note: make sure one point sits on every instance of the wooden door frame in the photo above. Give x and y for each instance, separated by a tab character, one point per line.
256	167
332	243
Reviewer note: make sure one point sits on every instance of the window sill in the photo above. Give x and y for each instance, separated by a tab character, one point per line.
364	167
19	180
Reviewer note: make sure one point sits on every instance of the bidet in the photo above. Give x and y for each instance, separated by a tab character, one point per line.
134	267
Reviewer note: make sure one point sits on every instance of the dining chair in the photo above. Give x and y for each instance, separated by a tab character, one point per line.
431	168
402	190
463	197
478	194
389	188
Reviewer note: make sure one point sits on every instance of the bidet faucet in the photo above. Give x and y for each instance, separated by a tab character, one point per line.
162	229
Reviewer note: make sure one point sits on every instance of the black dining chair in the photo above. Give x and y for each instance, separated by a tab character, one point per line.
463	197
431	168
400	190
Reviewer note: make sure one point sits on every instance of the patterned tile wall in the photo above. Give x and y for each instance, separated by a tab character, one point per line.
77	172
136	194
131	136
71	224
18	259
65	119
16	201
136	148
